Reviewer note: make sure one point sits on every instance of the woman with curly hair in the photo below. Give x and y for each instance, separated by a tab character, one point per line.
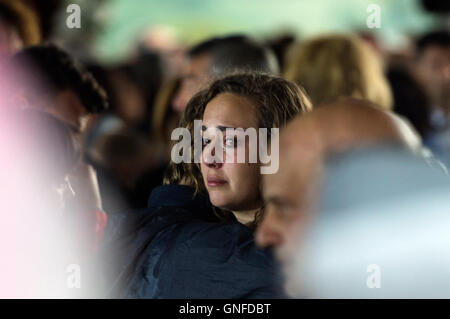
195	240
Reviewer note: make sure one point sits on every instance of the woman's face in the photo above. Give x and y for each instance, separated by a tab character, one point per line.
231	185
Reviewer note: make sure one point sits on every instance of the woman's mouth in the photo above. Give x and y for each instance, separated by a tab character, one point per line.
214	181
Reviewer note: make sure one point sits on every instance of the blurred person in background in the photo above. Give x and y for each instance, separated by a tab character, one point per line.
291	194
217	57
410	98
124	135
163	41
19	27
165	119
381	236
208	252
433	66
128	163
334	66
58	84
132	88
47	12
433	69
280	45
148	72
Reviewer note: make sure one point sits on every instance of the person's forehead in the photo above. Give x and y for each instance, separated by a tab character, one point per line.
199	64
286	180
299	163
273	185
436	51
230	110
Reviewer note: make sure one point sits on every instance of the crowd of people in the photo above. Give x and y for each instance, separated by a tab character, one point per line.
94	204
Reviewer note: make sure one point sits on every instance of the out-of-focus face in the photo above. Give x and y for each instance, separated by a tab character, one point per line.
434	69
231	185
10	41
130	103
69	109
196	76
289	197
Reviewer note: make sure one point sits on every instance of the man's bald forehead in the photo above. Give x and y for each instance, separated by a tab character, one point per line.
345	124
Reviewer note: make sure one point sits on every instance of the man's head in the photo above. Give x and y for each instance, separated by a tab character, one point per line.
291	194
51	80
433	57
220	56
382	210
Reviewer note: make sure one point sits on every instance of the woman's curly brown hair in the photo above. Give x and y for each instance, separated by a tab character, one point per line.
276	99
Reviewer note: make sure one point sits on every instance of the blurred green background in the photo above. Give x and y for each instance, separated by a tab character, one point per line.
111	27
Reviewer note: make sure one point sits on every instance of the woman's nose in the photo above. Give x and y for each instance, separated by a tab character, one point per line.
210	159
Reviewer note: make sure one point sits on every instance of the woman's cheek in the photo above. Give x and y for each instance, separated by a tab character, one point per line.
231	155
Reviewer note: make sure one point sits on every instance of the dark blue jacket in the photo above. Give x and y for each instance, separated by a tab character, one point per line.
177	248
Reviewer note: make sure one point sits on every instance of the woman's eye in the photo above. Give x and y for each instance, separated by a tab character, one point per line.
205	141
230	142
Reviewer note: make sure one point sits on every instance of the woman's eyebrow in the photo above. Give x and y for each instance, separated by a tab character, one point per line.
220	127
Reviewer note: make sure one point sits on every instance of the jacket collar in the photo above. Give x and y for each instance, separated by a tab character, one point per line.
180	196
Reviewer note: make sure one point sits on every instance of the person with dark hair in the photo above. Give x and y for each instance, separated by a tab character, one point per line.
58	84
433	65
410	98
147	72
280	45
217	57
433	68
195	239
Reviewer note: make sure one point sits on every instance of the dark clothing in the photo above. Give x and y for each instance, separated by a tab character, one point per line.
177	248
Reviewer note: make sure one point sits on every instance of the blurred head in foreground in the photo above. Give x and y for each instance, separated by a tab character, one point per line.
381	230
290	195
334	66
